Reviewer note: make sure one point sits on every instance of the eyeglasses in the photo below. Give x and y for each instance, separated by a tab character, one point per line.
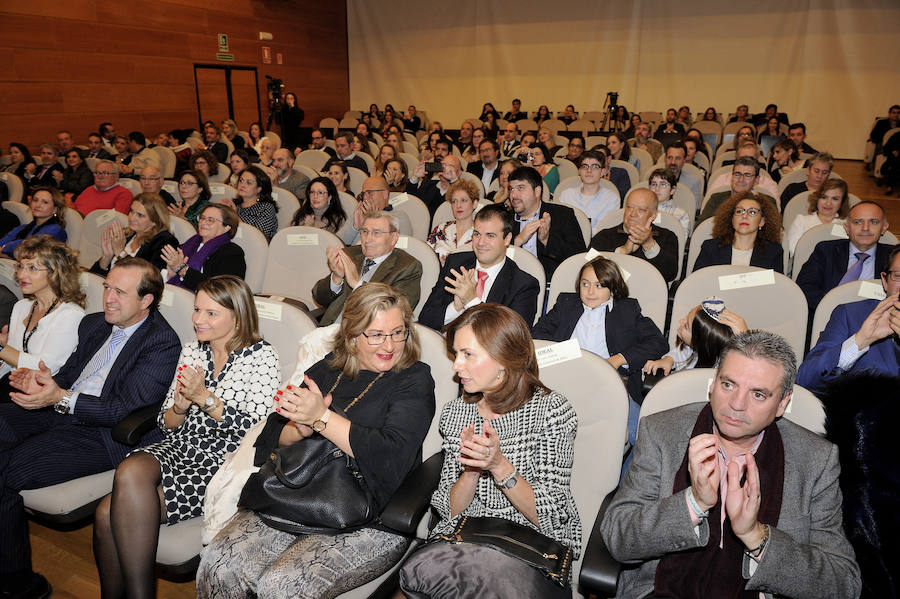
32	268
210	219
373	232
379	338
743	211
893	275
660	185
103	174
746	176
187	183
590	167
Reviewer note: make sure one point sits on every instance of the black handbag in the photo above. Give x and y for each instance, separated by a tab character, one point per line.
549	556
311	487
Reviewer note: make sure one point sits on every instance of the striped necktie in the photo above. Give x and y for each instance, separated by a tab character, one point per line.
100	360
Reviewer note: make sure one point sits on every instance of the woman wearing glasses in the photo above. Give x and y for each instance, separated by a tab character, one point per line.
193	196
746	232
372	398
323	210
44	325
207	254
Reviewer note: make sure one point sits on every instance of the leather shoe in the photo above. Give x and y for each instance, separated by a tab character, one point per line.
37	588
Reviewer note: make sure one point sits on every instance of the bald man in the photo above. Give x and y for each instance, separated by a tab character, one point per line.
374	198
152	181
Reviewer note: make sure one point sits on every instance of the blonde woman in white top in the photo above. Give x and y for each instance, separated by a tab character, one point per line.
827	205
44	325
456	232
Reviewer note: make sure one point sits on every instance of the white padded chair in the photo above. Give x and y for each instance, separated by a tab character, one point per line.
74	226
314	159
416	211
181	229
287	203
221	175
92	227
854	291
177	306
431	266
307	171
92	286
274	137
256	252
370	162
8	276
691	386
171	187
601	431
296	260
283	325
530	264
14	187
131	185
219	191
348	203
357	178
566	169
167	160
684	199
633	175
22	211
645	284
702	232
779	307
477	181
645	161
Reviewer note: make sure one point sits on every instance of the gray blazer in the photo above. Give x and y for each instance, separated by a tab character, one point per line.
807	555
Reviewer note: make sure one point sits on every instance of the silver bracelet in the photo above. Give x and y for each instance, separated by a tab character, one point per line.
696	506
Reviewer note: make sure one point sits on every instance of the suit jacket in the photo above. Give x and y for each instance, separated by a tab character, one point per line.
100	155
564	241
628	332
807	555
150	250
139	377
477	169
427	191
827	265
219	150
770	255
399	270
355	162
296	184
666	261
820	366
513	287
45	180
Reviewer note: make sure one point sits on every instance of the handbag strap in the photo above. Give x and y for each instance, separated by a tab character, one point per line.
358	397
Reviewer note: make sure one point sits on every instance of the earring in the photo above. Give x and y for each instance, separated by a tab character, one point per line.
499	374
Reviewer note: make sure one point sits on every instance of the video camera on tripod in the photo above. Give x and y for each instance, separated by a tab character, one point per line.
275	88
611	106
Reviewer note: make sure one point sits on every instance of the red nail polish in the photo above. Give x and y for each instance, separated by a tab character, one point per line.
180	367
280	392
289	387
277	398
178	377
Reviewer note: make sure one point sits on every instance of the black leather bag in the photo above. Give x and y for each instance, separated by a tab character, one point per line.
310	487
549	556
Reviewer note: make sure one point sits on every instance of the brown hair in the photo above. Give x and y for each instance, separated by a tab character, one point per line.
211	161
61	262
156	210
507	339
465	185
151	280
229	217
359	310
59	202
828	185
232	293
723	230
608	275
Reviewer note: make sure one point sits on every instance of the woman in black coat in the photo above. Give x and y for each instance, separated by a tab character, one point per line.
77	177
746	232
147	234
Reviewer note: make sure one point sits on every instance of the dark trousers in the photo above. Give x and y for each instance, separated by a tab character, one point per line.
38	448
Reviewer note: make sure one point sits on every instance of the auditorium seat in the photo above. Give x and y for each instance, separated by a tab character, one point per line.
256	251
92	227
296	260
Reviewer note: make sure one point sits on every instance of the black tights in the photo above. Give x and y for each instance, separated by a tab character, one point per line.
126	529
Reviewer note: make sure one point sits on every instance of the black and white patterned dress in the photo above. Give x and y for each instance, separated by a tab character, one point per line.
539	440
262	216
191	453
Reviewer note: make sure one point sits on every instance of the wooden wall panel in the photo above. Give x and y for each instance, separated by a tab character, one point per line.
74	64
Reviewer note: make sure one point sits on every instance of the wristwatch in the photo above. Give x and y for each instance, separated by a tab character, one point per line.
320	424
62	406
509	481
209	403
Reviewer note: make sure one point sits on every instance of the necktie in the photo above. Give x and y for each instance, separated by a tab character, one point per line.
479	286
854	271
100	360
368	263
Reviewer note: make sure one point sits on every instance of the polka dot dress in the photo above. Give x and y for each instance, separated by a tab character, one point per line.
191	453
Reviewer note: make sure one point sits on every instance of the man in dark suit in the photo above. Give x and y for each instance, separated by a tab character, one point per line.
344	144
432	190
510	140
214	143
860	336
548	231
840	261
488	168
95	148
484	275
797	135
776	529
318	143
59	428
375	260
638	236
670	130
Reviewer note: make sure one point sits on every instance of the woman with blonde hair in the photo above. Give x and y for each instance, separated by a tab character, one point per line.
224	384
47	212
372	399
829	204
44	324
455	233
145	236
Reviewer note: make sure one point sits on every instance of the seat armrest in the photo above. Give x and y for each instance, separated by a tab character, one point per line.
409	504
130	429
599	571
